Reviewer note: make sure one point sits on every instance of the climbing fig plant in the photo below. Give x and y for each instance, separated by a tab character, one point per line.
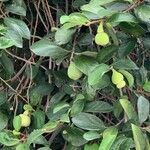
74	75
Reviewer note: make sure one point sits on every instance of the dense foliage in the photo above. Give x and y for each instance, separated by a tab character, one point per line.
74	74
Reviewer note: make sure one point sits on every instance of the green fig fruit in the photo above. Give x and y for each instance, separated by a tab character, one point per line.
73	72
117	77
100	28
102	39
27	113
25	120
16	133
121	84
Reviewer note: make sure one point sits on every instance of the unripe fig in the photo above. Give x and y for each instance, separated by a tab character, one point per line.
25	120
27	113
102	39
16	133
121	84
100	28
117	77
73	72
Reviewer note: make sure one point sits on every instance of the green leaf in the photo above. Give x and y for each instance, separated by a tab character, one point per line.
38	119
3	121
98	107
22	146
63	35
128	108
5	42
139	138
142	13
88	122
106	53
3	97
143	109
91	146
15	37
34	135
97	73
109	136
46	48
122	17
100	2
99	12
126	48
91	135
85	64
146	86
78	105
120	140
15	9
128	76
19	26
60	106
8	139
38	92
74	136
51	126
7	63
44	148
125	64
17	123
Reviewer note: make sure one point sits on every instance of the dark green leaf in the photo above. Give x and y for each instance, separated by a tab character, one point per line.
98	107
85	64
143	109
125	64
97	73
7	63
8	139
46	48
5	42
74	136
146	86
38	119
142	13
19	26
3	121
106	53
63	35
122	17
88	122
91	135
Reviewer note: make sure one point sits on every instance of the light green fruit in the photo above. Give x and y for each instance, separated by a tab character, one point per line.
121	84
100	28
16	133
25	120
117	77
73	72
102	39
27	113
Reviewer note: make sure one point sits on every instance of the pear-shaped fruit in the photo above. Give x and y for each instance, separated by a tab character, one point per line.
102	39
121	84
25	120
73	72
27	112
117	77
100	28
16	133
